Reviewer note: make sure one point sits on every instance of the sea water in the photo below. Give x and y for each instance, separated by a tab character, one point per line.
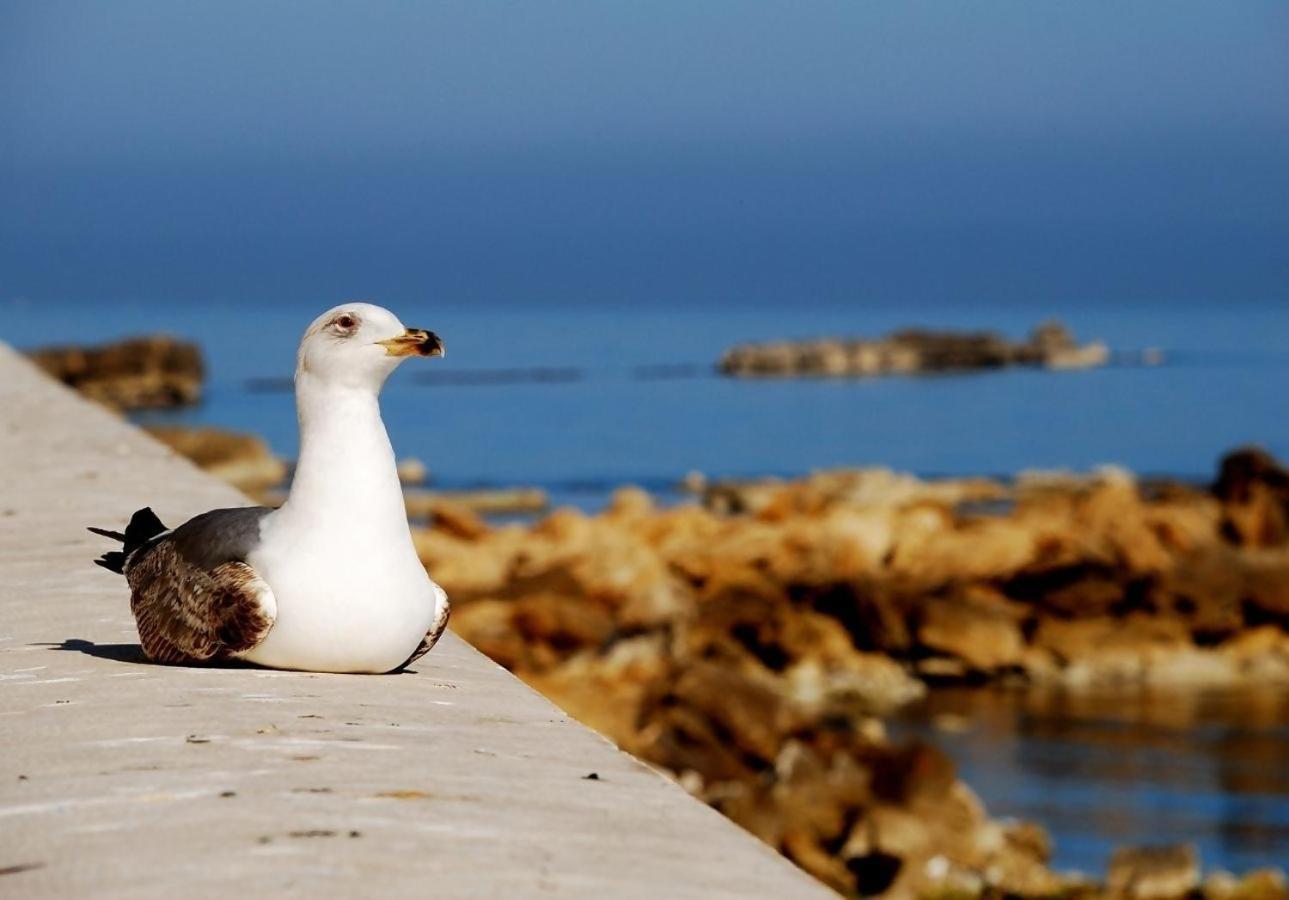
632	396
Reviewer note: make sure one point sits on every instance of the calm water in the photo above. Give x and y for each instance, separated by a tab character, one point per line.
1103	769
630	397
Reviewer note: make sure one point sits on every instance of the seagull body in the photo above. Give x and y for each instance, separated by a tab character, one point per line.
329	582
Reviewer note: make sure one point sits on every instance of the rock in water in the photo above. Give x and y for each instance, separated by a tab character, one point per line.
150	372
1153	873
913	350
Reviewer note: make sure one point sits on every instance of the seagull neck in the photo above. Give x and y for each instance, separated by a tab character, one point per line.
346	463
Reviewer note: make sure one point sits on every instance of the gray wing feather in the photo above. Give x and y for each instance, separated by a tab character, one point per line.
193	595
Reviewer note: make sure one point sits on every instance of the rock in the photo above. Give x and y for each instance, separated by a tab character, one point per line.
421	504
561	623
156	371
243	460
694	482
1153	873
1110	651
710	719
978	627
456	519
1220	884
490	626
1056	348
821	669
1052	336
932	549
1260	655
630	503
1089	356
911	350
411	471
1254	491
1263	884
606	691
1084	580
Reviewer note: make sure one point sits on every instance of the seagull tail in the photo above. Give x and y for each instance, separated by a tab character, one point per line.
144	526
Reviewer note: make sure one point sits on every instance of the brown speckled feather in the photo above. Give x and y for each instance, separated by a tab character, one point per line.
436	630
193	603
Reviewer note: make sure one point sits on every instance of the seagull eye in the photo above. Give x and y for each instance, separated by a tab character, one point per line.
345	323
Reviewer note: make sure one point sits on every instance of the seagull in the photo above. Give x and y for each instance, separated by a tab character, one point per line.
328	582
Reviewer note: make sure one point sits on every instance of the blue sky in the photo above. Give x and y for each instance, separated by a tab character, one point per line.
646	153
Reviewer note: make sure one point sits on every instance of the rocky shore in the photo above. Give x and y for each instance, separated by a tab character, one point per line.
149	372
1051	345
750	644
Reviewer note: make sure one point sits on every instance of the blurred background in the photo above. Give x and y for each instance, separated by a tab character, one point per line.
592	202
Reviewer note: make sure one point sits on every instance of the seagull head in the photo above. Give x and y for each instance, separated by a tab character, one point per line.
359	344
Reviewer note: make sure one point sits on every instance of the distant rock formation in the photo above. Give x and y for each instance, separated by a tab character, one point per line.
911	351
150	372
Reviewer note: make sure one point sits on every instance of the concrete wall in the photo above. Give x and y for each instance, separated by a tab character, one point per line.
123	779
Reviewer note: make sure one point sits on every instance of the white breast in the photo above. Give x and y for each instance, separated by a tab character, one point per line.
351	606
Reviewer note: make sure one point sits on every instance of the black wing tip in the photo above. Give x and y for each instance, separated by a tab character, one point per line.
113	562
144	525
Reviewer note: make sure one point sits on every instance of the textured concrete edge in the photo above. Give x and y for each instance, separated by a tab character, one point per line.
195	490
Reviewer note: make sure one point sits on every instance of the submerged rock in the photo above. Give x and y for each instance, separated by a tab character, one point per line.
140	373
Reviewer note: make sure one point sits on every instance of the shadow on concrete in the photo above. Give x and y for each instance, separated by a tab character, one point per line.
133	653
130	653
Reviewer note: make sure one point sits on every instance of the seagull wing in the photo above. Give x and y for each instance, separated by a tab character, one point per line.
436	630
193	595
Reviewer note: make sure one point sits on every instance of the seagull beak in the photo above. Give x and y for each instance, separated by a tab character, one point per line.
414	342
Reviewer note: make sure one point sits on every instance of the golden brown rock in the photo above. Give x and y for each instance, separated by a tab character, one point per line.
745	645
456	520
243	460
1153	873
138	373
1254	491
978	626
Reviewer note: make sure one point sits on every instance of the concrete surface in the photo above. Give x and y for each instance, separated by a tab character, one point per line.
123	779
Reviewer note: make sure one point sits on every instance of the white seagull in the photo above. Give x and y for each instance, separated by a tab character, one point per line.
330	582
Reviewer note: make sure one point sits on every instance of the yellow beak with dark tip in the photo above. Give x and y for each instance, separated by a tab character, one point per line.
414	342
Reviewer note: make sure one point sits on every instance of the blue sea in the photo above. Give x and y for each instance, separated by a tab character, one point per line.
580	400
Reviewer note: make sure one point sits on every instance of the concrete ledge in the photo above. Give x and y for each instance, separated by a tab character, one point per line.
123	779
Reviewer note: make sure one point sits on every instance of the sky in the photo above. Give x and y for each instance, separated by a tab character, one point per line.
737	153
